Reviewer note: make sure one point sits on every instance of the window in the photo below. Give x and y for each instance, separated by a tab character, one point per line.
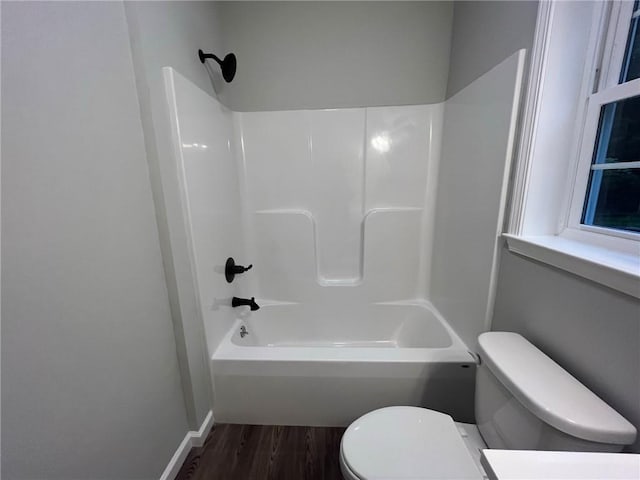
607	194
575	200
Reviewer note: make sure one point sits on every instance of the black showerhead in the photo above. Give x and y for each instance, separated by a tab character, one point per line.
227	65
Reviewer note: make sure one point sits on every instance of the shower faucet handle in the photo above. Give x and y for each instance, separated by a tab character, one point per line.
231	269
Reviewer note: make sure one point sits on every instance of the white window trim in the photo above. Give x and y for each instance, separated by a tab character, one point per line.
581	182
617	270
609	257
617	24
531	111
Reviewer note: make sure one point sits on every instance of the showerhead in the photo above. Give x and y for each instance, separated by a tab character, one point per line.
227	65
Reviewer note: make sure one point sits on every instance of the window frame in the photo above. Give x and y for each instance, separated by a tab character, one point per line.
605	71
569	44
614	43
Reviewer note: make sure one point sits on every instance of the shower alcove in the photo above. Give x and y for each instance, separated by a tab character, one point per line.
373	235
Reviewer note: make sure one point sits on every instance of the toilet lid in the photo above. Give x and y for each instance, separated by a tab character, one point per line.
407	442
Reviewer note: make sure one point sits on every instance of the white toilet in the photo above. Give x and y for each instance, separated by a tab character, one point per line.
524	401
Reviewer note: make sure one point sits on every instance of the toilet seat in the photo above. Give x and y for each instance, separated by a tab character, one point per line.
406	443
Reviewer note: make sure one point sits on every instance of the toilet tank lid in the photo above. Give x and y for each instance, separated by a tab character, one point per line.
550	392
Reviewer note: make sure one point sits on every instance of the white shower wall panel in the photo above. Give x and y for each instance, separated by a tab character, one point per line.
337	157
400	143
276	158
391	253
403	152
326	189
284	268
208	172
477	147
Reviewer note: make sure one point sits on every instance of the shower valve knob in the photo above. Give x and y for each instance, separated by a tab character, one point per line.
231	269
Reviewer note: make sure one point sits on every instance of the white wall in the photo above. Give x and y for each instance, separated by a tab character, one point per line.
296	55
90	380
477	147
170	34
590	330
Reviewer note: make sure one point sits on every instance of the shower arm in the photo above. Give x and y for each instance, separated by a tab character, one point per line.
203	56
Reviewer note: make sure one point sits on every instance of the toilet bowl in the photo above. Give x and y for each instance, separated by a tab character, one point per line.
524	401
410	442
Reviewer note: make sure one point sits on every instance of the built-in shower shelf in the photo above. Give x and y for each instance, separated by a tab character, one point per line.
339	282
285	211
290	255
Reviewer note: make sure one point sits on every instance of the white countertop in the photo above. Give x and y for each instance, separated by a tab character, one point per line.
540	465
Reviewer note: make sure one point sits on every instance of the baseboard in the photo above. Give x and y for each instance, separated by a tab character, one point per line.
191	439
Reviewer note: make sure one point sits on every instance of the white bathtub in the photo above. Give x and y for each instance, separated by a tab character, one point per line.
312	366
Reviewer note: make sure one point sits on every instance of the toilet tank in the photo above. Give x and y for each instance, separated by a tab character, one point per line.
526	401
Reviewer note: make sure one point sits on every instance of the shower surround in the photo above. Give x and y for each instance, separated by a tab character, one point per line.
336	201
365	226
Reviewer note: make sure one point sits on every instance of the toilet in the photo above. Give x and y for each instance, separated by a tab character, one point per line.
524	401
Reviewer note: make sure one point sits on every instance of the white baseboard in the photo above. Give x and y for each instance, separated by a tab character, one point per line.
191	439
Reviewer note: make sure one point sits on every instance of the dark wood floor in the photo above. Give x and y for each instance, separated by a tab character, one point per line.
256	452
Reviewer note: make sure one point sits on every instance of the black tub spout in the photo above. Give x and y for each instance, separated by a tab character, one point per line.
238	302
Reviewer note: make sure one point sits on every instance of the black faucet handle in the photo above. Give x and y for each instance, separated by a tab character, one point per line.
231	269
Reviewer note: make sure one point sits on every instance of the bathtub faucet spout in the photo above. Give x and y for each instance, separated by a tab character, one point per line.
237	302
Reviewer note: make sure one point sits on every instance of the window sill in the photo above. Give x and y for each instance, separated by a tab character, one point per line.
617	270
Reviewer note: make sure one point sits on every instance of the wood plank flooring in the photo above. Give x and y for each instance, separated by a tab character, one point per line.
257	452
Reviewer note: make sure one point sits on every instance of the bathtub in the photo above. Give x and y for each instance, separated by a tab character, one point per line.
298	365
